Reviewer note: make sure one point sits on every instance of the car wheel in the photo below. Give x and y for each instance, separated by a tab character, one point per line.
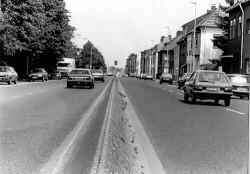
185	96
92	86
15	81
103	80
160	82
9	82
241	97
193	98
69	85
227	101
216	101
43	79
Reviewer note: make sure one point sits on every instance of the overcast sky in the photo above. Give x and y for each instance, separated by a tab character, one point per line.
121	27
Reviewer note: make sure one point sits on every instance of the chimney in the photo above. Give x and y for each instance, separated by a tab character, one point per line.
213	7
178	33
162	39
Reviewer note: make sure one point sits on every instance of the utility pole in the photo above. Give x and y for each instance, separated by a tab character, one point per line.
193	57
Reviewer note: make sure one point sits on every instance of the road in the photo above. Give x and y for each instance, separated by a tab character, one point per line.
38	118
191	138
35	119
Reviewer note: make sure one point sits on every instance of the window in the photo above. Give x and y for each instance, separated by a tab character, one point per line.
231	29
239	27
234	28
248	27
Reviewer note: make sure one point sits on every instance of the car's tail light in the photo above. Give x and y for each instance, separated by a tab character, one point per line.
229	89
199	88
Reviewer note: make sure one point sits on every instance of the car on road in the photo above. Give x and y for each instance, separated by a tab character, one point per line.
182	80
148	77
240	84
8	74
55	74
109	74
143	76
80	77
166	78
205	84
38	74
98	75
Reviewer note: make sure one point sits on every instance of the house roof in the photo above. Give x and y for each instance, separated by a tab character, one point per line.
236	5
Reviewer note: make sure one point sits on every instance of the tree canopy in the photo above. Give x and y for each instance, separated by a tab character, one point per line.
84	60
34	33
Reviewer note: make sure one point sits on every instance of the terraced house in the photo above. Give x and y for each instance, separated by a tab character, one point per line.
237	60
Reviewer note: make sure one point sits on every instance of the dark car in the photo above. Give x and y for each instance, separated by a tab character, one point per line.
55	74
183	79
240	84
204	84
80	77
38	74
8	74
98	75
166	78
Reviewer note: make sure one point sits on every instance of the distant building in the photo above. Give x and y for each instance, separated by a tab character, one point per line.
131	64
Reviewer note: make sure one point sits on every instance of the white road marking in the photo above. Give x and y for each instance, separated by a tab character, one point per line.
179	94
235	111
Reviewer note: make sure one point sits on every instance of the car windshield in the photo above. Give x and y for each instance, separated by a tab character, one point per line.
239	79
212	77
36	71
166	75
66	65
97	71
4	69
80	72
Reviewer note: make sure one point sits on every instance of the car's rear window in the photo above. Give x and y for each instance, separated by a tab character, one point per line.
212	77
166	75
239	79
4	69
80	72
36	71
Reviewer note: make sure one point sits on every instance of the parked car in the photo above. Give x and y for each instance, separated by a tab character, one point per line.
183	79
55	74
166	78
80	77
109	74
205	84
8	74
143	76
240	84
148	77
98	75
38	74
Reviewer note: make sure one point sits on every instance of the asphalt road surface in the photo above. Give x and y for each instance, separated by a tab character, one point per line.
191	138
35	119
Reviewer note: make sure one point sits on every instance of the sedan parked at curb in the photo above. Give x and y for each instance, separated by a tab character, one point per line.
38	74
182	80
240	84
166	78
204	84
80	77
8	74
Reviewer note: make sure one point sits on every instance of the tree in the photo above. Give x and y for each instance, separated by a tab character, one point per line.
85	57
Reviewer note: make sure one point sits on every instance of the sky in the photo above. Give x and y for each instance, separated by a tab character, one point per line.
121	27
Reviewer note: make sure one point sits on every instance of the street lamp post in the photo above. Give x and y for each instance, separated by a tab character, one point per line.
193	57
167	71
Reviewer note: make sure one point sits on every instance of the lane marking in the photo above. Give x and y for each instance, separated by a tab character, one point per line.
235	111
179	94
61	155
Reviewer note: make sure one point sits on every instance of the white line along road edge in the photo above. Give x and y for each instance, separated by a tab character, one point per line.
148	150
101	152
59	157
